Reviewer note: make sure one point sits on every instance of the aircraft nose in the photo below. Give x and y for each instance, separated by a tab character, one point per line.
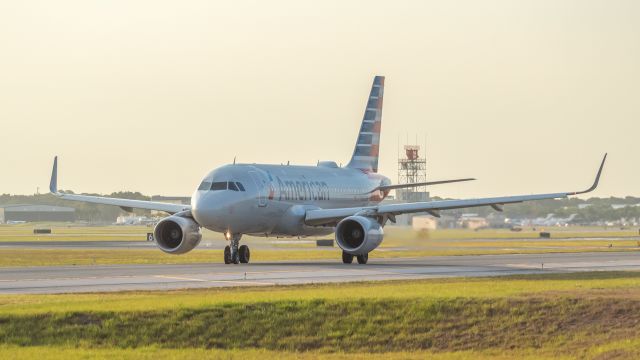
207	208
198	207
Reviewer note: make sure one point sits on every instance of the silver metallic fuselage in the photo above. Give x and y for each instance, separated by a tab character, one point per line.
276	197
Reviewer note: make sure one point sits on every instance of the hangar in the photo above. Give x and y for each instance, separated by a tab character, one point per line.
32	213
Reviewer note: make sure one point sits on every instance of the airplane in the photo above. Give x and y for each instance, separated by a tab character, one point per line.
297	201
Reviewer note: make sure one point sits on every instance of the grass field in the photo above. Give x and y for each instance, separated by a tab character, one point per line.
24	232
585	315
71	257
398	242
394	235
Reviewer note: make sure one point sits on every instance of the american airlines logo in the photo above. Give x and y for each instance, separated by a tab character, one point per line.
302	190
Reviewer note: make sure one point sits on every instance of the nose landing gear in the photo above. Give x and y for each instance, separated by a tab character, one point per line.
235	254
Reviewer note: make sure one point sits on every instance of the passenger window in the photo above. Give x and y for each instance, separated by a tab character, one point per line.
205	185
232	186
240	186
219	186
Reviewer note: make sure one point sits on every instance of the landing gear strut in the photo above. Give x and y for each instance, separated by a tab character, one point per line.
234	253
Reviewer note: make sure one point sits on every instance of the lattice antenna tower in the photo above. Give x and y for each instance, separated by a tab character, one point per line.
412	168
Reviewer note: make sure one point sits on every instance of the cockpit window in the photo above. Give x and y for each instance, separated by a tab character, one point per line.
219	186
205	185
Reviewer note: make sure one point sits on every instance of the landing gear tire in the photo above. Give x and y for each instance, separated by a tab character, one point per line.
227	254
362	259
245	254
347	258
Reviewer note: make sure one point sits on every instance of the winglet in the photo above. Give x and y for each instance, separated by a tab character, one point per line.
595	183
53	184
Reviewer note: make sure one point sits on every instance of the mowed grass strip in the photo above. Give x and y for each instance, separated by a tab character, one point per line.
55	257
24	232
394	236
404	234
624	284
582	315
20	257
568	325
155	353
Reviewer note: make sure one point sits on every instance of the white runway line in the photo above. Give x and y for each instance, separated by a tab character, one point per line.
177	278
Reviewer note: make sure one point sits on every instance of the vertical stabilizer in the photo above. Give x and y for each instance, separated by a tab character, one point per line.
365	154
53	184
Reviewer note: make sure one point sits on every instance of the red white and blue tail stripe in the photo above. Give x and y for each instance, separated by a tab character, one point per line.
365	154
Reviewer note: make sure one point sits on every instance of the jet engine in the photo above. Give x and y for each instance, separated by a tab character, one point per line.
177	235
358	235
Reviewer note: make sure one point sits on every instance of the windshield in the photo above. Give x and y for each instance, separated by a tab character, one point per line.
221	185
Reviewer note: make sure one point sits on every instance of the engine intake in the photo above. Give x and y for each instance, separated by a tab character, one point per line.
177	234
359	235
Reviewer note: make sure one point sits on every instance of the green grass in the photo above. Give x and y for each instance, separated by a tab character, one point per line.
24	232
584	315
394	236
338	325
403	234
435	243
71	257
155	353
480	288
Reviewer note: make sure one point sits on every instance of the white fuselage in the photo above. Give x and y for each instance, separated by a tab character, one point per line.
271	200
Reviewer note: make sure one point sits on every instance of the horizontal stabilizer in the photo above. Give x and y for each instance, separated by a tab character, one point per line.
427	183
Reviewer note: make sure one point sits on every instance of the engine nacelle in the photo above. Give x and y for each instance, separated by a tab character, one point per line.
358	235
177	234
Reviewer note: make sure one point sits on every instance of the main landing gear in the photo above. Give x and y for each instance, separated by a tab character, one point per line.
348	258
235	254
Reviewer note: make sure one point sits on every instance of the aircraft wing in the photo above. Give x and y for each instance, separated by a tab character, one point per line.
332	216
126	204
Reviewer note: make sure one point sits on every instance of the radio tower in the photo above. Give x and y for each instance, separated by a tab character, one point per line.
412	169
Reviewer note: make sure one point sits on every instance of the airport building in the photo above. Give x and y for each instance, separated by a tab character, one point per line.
33	213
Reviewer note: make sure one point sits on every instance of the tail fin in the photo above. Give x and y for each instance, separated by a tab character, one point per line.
365	154
53	184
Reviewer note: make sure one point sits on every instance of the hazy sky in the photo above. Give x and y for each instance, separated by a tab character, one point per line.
150	95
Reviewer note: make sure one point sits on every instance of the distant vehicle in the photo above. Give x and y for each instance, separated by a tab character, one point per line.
297	201
550	220
134	220
15	222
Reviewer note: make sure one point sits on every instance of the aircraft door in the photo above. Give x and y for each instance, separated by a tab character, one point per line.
261	185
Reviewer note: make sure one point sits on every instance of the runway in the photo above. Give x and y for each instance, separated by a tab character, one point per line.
69	279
